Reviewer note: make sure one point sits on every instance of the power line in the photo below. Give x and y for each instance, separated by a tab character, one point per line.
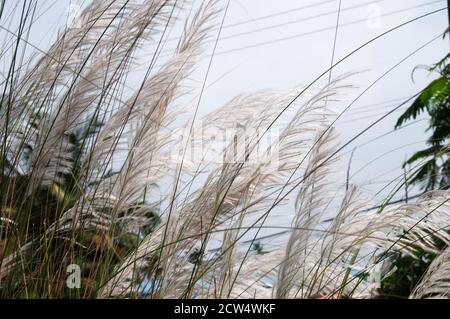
279	13
386	134
231	36
299	20
366	107
300	35
270	16
289	22
351	116
321	30
368	110
368	116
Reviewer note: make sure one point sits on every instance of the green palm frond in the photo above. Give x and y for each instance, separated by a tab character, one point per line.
435	101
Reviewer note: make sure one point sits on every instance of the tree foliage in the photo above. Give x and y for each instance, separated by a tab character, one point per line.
433	169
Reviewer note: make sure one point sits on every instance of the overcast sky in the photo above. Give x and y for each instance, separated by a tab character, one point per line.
283	43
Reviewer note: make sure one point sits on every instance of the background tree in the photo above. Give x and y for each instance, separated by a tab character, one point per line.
435	100
433	172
